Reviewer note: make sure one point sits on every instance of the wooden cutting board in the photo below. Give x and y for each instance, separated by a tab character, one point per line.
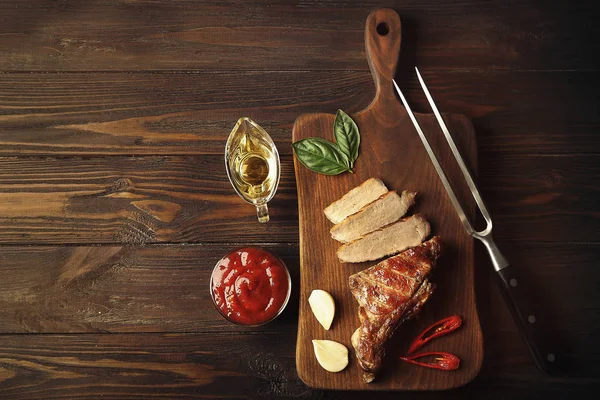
390	150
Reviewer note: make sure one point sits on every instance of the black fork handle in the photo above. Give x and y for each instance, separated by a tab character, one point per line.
518	296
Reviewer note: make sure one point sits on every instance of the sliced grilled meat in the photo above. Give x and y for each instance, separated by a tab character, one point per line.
408	232
367	192
385	210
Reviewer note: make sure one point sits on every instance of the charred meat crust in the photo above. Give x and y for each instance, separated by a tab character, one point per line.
388	294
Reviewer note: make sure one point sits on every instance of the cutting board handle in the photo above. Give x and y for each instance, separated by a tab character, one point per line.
382	42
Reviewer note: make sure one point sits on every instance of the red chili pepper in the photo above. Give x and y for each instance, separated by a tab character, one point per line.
441	360
440	328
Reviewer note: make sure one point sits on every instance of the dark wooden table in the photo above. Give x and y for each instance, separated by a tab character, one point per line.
115	205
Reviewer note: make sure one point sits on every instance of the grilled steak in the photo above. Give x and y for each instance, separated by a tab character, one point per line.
367	192
388	294
385	210
393	238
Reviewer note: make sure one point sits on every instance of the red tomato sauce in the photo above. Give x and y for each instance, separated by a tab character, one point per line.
250	286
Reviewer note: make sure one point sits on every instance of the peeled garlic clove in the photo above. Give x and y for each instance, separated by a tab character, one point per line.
322	305
332	356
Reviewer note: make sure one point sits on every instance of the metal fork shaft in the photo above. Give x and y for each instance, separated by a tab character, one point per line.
459	159
461	214
485	236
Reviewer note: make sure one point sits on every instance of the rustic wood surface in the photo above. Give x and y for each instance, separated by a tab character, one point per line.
114	203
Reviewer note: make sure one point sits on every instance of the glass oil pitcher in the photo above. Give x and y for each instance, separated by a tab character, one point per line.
252	164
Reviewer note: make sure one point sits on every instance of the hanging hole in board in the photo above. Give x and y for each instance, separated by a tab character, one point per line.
383	28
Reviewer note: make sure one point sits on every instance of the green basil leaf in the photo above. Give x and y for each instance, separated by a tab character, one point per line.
347	136
321	156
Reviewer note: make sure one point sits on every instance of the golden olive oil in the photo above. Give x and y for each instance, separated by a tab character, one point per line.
252	163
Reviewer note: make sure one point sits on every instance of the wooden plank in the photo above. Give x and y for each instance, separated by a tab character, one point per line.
148	366
125	35
159	113
135	200
138	200
541	198
190	366
182	114
70	289
121	289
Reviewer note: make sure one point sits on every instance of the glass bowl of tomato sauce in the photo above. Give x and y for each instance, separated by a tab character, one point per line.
250	286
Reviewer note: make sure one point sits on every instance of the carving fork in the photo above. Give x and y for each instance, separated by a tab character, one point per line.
511	285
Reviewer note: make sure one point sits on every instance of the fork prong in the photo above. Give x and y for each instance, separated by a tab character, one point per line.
461	214
457	156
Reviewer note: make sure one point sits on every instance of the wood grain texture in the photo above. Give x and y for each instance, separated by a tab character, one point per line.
256	35
169	78
151	113
185	114
67	289
160	199
392	152
121	289
197	366
149	366
135	200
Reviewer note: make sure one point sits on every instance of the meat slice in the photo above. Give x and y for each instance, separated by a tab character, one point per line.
367	192
408	232
388	294
385	210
